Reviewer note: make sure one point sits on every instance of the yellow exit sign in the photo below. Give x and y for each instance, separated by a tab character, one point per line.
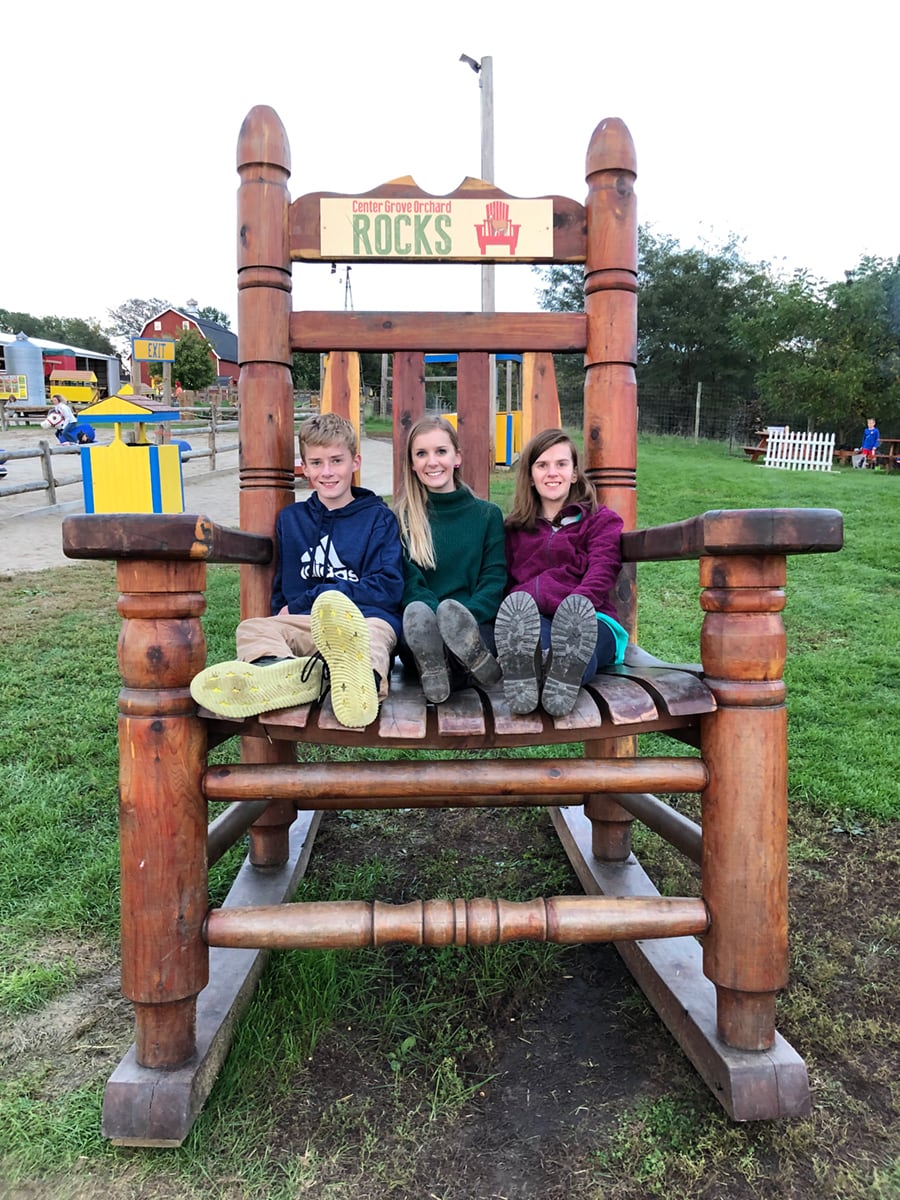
152	350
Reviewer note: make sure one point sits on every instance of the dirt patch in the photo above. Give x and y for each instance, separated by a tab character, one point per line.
31	530
568	1062
66	1043
574	1089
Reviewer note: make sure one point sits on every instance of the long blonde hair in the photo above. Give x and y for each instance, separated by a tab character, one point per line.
526	506
412	506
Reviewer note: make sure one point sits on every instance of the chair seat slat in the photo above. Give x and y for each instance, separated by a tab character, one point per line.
404	713
461	715
623	698
677	693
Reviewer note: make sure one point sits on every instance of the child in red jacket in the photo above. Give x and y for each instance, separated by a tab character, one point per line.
558	623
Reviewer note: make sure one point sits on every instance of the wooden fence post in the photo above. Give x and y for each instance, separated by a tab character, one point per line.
47	468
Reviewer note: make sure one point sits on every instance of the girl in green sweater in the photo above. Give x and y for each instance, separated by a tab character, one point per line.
454	565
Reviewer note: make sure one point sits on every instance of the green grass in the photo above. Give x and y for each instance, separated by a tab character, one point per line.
842	617
420	1026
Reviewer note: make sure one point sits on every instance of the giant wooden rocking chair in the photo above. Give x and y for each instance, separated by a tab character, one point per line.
189	970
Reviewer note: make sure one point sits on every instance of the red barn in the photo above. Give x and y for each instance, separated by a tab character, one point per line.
172	322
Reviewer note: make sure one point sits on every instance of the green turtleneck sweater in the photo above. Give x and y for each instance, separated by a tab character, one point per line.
470	555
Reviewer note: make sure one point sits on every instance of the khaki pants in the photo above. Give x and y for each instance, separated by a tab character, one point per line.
289	635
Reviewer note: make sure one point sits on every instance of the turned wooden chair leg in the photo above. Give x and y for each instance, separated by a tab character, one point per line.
744	744
163	814
610	822
270	834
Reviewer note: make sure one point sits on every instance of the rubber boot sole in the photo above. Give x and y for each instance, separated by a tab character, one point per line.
240	689
518	634
341	636
573	637
461	635
421	634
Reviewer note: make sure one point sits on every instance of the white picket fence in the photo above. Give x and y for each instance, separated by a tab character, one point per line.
794	451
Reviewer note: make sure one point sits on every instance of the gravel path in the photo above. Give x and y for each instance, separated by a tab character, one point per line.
31	531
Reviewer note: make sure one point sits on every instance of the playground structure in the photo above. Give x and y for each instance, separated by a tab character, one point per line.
131	476
190	970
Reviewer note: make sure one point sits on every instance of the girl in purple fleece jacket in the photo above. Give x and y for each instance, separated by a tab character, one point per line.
558	623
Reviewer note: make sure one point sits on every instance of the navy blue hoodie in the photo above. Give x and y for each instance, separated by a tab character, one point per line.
354	549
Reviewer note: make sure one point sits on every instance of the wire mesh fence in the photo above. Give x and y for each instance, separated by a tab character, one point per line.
717	413
712	412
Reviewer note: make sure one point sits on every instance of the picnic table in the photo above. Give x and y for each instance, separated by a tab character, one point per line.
888	453
759	450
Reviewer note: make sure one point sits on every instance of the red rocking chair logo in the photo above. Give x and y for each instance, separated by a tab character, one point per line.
497	229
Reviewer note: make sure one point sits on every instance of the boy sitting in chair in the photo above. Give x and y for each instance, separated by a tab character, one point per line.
335	597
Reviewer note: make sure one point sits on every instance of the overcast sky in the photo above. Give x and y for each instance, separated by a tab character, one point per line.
775	121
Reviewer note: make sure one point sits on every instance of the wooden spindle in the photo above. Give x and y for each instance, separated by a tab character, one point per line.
162	811
744	805
266	393
408	405
353	924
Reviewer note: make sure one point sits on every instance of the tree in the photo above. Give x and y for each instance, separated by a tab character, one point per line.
563	291
863	343
210	313
690	303
76	332
563	288
305	371
194	366
784	336
832	351
828	353
129	319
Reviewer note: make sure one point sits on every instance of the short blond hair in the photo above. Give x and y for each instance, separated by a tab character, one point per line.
327	429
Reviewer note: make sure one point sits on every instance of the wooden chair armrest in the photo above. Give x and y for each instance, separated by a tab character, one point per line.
738	531
636	656
172	536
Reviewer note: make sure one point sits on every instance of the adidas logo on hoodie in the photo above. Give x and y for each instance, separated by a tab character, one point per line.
325	563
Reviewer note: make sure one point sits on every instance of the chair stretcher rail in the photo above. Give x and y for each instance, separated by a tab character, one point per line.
328	785
352	924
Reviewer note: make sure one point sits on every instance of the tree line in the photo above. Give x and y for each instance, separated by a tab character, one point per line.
828	351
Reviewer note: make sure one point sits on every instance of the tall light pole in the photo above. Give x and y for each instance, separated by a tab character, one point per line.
485	72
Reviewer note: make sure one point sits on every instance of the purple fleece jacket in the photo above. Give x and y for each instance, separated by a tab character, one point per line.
579	552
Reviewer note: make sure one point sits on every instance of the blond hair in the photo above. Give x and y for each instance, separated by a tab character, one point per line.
526	506
327	429
412	507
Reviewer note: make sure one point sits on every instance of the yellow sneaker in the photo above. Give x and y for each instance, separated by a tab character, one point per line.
241	689
342	638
